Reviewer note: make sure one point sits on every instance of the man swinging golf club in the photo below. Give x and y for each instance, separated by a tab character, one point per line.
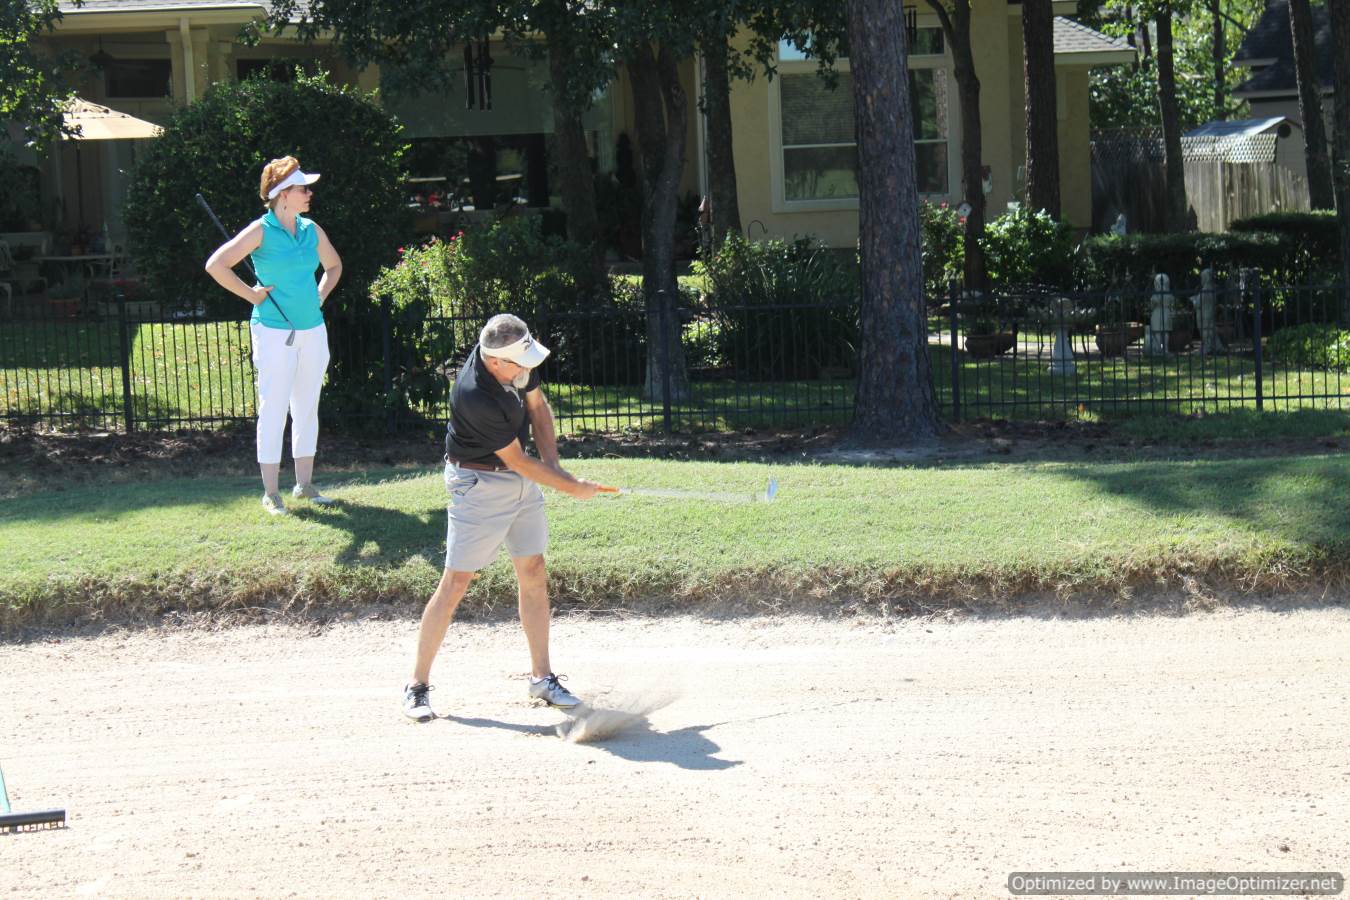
495	498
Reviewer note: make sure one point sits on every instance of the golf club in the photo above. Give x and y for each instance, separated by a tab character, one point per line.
770	492
290	338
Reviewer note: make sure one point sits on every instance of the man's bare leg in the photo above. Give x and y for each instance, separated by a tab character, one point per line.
532	576
436	618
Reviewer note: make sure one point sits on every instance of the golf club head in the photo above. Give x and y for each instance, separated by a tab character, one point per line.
290	338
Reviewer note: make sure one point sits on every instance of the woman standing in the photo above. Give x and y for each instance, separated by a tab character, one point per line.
290	342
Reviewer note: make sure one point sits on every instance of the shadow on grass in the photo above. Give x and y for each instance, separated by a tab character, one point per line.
377	534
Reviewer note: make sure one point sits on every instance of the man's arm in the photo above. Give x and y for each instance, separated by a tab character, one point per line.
541	423
554	476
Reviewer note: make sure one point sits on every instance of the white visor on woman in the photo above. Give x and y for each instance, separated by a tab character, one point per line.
525	352
292	180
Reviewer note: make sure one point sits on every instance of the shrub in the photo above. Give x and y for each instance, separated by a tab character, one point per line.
219	145
1028	249
1130	261
442	292
1313	237
944	254
19	204
783	309
1312	347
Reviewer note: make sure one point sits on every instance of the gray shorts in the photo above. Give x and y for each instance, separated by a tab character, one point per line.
488	509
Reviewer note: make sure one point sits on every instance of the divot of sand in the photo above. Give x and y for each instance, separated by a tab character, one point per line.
611	716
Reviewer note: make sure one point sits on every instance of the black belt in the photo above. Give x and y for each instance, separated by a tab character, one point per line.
481	467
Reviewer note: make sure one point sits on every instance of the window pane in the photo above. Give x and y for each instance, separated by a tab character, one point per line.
138	77
814	114
820	173
788	51
928	96
930	164
927	42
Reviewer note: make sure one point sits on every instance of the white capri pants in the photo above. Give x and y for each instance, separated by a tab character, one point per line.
288	378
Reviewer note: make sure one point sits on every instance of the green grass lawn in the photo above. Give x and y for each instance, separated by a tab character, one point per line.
73	371
836	534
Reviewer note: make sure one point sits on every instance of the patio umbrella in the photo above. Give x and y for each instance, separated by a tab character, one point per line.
100	123
93	122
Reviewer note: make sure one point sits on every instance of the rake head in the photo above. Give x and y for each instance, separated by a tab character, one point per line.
45	820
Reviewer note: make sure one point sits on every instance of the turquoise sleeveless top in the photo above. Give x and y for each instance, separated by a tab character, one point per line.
289	263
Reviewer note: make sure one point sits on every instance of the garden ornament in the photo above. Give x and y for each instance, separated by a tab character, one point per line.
1206	314
1159	317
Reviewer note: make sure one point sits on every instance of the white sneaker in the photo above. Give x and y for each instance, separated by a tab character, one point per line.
272	503
311	493
416	703
553	693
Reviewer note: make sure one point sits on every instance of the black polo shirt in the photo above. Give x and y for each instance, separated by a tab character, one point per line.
485	415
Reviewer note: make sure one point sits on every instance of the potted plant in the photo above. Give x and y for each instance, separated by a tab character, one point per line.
986	339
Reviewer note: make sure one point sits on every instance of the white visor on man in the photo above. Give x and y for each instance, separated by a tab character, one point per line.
525	352
294	179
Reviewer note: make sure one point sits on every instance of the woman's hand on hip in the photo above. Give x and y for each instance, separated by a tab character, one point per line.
260	293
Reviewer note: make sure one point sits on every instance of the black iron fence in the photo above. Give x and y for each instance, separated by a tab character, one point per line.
696	365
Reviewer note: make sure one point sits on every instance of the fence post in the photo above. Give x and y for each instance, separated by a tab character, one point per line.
128	411
952	298
1256	338
663	315
386	348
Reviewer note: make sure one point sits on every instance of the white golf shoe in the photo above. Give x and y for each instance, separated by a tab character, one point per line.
552	692
311	493
416	703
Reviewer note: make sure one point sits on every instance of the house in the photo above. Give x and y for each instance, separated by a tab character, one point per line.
1267	53
793	141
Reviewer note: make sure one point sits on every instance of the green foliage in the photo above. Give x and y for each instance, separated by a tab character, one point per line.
1313	238
1131	260
1127	97
442	292
19	203
35	81
219	145
1313	346
943	235
767	300
1028	249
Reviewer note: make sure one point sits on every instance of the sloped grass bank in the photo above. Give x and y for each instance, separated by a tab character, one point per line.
836	535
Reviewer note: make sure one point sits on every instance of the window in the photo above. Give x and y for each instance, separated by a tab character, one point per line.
272	69
131	78
815	127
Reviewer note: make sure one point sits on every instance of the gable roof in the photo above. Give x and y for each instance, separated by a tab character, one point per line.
1076	43
1268	49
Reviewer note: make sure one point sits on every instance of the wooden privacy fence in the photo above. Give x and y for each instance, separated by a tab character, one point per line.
1222	192
1129	176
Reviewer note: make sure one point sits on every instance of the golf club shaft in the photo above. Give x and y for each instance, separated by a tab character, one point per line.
212	213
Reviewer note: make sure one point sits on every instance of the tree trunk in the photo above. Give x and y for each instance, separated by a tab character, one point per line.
956	26
895	381
575	175
662	118
1321	193
1220	52
1038	56
1340	52
1177	205
726	213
